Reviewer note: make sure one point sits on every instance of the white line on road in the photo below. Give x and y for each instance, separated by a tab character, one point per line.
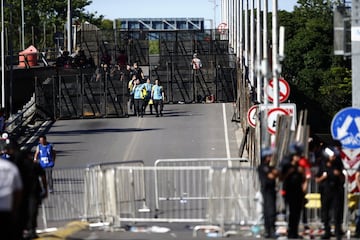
228	155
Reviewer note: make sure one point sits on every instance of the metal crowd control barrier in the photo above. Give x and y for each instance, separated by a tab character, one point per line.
65	203
232	196
110	191
184	191
201	180
204	191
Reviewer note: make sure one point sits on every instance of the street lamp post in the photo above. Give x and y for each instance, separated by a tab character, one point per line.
22	26
69	27
2	56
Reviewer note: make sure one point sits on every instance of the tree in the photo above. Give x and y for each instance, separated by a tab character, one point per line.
310	64
47	16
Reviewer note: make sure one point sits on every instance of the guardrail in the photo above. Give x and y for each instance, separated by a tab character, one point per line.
22	126
22	117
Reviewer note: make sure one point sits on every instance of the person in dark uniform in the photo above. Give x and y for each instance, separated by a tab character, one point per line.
293	177
332	179
267	177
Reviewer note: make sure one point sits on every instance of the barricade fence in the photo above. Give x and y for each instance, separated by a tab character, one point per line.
131	192
205	191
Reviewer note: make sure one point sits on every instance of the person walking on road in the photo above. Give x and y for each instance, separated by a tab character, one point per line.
157	94
148	86
267	177
138	98
45	154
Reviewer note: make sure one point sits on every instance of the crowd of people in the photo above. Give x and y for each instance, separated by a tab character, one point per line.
76	60
291	178
25	180
142	92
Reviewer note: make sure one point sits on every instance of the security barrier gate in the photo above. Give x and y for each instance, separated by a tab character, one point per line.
79	94
123	192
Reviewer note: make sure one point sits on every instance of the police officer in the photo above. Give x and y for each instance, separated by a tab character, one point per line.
293	177
332	180
267	177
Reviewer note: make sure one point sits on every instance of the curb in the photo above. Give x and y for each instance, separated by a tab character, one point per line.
64	232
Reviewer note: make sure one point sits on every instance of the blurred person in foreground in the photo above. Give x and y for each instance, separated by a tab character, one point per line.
34	189
267	176
294	187
11	187
331	179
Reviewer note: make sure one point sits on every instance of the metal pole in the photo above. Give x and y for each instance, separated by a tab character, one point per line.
231	25
275	52
69	47
236	27
252	45
265	68
22	26
2	56
258	51
241	36
115	42
246	47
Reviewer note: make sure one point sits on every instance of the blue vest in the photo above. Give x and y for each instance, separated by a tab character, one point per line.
157	92
45	155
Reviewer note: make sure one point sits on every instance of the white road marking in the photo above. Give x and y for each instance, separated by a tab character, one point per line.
227	145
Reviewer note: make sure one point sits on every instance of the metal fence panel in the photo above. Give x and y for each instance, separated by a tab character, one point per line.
187	190
66	203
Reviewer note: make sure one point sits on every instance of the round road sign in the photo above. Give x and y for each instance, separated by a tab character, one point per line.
345	127
272	118
251	115
222	28
284	90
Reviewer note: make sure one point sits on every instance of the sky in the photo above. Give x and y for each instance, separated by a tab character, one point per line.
113	9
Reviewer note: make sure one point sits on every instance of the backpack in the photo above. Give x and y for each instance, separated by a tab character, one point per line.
143	93
131	85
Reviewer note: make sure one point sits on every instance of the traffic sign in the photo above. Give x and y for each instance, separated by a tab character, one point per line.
290	108
222	28
272	118
251	115
284	90
345	127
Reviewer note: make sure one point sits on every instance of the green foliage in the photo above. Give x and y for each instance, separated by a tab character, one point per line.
310	64
154	47
44	16
106	24
336	89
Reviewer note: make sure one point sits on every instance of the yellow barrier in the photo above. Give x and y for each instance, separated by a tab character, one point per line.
64	232
314	201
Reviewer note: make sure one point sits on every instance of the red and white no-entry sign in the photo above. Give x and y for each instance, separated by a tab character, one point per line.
284	90
272	118
222	28
251	116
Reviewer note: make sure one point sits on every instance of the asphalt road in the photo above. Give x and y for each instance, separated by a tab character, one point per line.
185	131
